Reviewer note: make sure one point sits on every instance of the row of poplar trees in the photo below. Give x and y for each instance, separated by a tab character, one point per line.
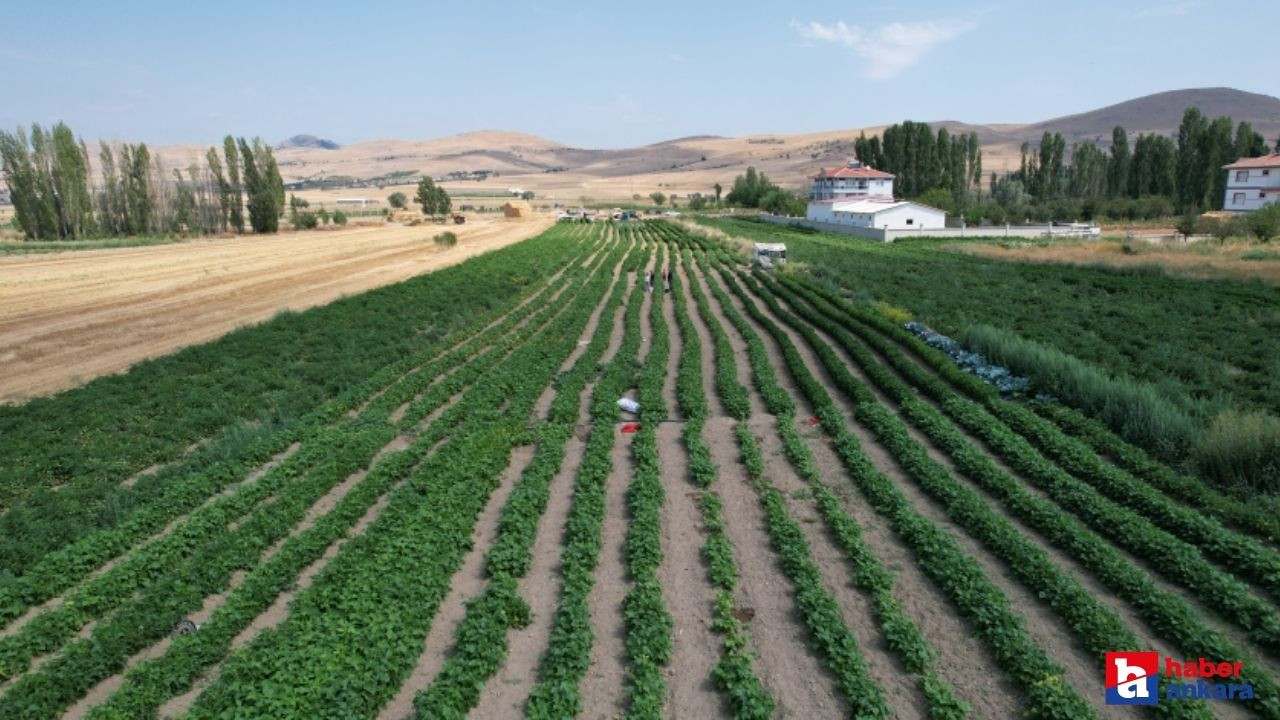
1186	169
54	197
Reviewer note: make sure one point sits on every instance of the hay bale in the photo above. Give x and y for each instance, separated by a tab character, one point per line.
516	209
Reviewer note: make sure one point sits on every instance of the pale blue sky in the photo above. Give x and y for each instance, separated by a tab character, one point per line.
594	74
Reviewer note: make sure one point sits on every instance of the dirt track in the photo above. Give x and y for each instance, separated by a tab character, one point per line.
68	318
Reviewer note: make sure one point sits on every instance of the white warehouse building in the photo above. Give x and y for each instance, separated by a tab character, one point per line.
1252	183
861	196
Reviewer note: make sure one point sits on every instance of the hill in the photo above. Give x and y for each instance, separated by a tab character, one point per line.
696	163
1161	113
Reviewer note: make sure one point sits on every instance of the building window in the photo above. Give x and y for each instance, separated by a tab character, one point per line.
1242	175
1262	194
910	221
1237	198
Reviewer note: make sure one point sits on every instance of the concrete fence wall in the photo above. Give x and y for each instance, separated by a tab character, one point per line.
881	235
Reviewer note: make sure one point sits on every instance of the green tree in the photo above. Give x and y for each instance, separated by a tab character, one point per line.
323	215
718	190
1118	166
1088	175
262	185
1264	222
1248	143
444	204
398	200
235	197
339	217
1188	224
527	195
940	198
1191	178
780	202
658	198
434	200
1218	150
20	177
222	186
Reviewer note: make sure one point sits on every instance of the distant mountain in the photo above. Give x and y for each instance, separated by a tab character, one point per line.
308	141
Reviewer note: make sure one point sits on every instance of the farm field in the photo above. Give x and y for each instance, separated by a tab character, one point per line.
1226	350
1199	260
812	514
67	318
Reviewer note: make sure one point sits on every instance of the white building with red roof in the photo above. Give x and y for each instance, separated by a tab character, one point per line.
1252	182
861	196
852	180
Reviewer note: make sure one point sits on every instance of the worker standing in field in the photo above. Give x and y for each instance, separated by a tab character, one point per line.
648	281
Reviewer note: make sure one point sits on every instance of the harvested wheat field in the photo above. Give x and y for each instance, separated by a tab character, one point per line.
69	317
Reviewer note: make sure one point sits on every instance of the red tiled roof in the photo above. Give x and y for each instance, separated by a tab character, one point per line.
844	171
1272	160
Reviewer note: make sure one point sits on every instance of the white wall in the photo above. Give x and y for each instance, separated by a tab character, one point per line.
1258	189
920	216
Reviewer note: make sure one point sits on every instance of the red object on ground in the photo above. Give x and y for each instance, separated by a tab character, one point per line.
813	421
630	427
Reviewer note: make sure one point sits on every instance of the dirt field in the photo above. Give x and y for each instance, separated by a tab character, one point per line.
1200	260
70	317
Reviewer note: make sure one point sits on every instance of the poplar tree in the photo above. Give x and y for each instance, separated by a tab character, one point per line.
221	185
1190	174
1119	165
20	176
235	199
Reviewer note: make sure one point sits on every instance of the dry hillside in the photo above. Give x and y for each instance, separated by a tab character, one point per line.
695	164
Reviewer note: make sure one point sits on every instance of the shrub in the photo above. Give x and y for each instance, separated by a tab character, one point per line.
1133	409
445	239
339	217
307	220
894	313
1242	450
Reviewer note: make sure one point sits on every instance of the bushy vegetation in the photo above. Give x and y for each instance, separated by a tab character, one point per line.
445	239
756	190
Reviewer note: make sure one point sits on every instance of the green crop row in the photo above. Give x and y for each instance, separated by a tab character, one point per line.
644	612
819	610
374	602
259	379
568	654
85	667
1099	629
1260	519
1163	611
958	575
1179	561
733	674
901	633
62	568
481	639
141	621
